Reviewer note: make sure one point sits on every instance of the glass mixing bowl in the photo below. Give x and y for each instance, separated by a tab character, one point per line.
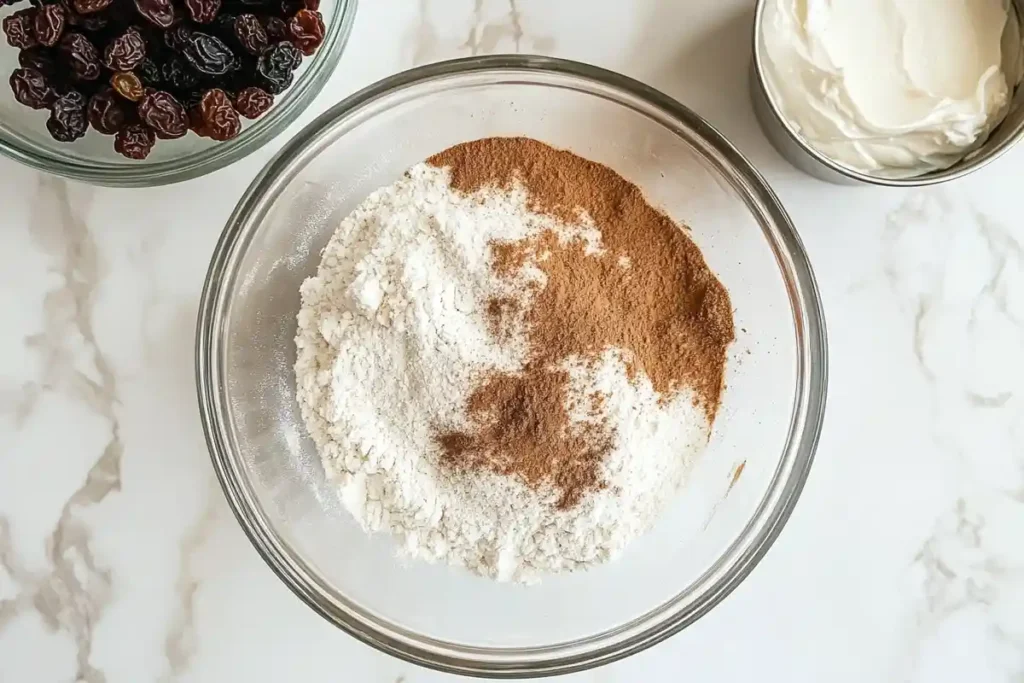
741	492
92	159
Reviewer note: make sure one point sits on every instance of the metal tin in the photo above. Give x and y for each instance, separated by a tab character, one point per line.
795	150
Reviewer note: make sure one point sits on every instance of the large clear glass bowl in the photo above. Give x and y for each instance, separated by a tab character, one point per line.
741	492
92	159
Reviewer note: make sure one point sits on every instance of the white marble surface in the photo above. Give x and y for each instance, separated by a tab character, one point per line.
904	561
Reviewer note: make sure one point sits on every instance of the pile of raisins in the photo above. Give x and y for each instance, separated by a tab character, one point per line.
143	70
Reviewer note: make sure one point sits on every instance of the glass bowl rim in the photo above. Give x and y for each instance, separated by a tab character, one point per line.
607	646
214	157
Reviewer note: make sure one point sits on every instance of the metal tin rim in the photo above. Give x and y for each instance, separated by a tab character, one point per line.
645	631
962	168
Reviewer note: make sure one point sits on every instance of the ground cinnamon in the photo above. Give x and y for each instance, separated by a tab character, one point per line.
649	294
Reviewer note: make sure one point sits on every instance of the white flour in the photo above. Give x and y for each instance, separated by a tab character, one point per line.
392	333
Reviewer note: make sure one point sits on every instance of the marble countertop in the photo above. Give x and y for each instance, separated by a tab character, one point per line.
904	560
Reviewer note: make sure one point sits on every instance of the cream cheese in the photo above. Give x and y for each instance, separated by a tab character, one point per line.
894	88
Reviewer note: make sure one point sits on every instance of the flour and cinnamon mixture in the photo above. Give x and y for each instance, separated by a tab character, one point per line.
509	360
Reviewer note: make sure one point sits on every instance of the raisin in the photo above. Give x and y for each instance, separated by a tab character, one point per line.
253	103
85	21
106	113
276	65
177	37
276	28
164	114
19	29
195	121
307	30
91	6
127	85
178	74
81	56
39	59
159	12
209	55
203	11
31	89
223	26
220	120
149	73
126	51
250	33
135	141
48	24
67	120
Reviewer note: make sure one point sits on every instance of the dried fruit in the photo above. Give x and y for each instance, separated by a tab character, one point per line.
126	51
276	28
164	114
203	11
250	34
19	29
81	56
209	55
253	102
39	59
135	141
67	120
187	64
31	89
176	37
195	121
276	65
127	85
179	75
48	24
149	73
220	120
307	30
106	113
159	12
88	21
91	6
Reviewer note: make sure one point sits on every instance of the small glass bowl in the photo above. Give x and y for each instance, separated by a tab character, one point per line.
92	159
740	493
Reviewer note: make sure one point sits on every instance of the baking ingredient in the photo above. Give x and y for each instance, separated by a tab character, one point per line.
203	11
220	120
67	120
126	51
276	65
128	86
81	55
666	311
105	113
19	29
307	30
249	33
209	55
253	102
135	141
894	88
48	24
39	59
31	89
176	73
164	114
183	48
420	376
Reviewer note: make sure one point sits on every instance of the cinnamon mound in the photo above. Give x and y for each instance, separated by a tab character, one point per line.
649	294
